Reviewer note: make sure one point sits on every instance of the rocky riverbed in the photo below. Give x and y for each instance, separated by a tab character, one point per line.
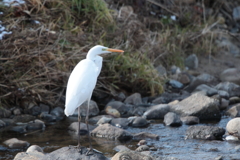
196	118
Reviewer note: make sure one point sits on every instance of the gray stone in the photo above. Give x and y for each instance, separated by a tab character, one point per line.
144	135
234	111
232	88
93	109
58	112
94	120
110	132
134	99
209	90
231	75
233	127
83	128
15	143
161	70
35	125
120	106
142	148
236	13
172	119
191	61
224	103
48	117
198	105
184	78
120	148
30	156
4	113
157	112
104	120
19	129
120	122
34	148
139	122
190	120
223	94
205	132
175	84
2	124
133	155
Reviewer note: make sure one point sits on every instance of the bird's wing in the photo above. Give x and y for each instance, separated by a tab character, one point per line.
80	85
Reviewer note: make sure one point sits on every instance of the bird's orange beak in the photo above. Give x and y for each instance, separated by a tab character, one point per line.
115	50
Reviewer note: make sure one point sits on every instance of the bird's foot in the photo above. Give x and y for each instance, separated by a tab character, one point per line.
89	152
78	147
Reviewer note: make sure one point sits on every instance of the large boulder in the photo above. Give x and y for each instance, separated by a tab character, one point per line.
111	132
205	132
198	105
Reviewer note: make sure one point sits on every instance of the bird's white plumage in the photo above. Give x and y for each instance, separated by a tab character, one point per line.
81	84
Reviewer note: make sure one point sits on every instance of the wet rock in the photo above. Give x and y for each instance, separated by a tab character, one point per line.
112	111
208	90
142	148
131	155
157	112
134	99
94	120
120	122
172	119
19	129
58	112
83	128
139	122
191	61
231	75
48	117
15	143
120	106
30	156
120	148
190	120
4	113
201	79
233	127
143	135
234	111
2	124
104	120
73	153
111	132
93	109
198	105
23	118
34	148
232	88
35	125
175	84
205	132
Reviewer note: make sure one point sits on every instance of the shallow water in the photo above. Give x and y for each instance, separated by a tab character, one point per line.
172	141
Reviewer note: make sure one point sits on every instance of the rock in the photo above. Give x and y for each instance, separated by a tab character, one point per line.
232	88
142	148
48	117
73	153
83	128
231	138
35	110
111	132
34	148
8	121
120	122
17	111
231	75
35	125
120	96
234	111
121	107
172	119
134	99
19	129
201	79
142	142
208	90
139	111
133	155
234	100
169	97
139	122
24	118
58	112
120	148
190	120
205	132
236	13
4	113
93	109
198	105
2	124
175	84
157	112
191	61
94	120
223	104
44	108
184	78
30	156
112	111
143	135
161	70
233	127
104	120
223	94
15	143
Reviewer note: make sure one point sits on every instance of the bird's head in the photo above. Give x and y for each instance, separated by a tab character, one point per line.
98	50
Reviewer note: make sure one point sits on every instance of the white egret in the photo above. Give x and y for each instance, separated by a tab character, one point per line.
82	82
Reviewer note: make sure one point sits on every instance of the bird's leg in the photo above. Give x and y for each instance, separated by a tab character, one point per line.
86	121
78	132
